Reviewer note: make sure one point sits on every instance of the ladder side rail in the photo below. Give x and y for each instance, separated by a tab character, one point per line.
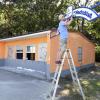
55	75
77	76
58	77
70	67
57	69
73	74
73	71
53	81
73	64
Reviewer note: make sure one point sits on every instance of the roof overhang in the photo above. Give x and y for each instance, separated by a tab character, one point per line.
34	35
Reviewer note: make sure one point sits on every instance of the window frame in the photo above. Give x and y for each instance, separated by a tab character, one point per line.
29	52
80	54
19	51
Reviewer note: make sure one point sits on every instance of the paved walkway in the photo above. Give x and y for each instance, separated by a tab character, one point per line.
15	86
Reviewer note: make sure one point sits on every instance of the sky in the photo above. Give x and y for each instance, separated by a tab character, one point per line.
1	0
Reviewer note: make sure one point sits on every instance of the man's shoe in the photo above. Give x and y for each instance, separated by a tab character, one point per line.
58	62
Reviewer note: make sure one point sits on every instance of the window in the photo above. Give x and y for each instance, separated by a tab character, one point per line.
80	54
31	52
19	52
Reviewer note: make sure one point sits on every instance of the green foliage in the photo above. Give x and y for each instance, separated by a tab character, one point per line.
90	29
30	15
19	17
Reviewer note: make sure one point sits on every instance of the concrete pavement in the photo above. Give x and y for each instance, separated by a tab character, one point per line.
15	86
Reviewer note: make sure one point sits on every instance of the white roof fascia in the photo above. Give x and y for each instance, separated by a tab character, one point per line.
34	35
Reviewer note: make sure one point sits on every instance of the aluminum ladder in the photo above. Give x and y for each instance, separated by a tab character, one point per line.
76	82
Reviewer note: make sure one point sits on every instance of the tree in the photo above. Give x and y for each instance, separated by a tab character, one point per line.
22	16
89	29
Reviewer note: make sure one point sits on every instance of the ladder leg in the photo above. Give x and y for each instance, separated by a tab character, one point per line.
74	73
58	55
58	77
55	75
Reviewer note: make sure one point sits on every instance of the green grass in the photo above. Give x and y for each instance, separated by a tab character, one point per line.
90	81
91	85
91	88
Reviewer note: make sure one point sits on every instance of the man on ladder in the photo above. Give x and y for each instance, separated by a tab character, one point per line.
62	54
63	32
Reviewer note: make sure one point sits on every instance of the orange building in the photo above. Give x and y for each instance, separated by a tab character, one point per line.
41	47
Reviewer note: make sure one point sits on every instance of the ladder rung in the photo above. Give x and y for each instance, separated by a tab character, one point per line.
55	80
75	80
73	72
71	66
69	58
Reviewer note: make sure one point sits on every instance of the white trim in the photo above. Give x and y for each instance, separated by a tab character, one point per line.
39	34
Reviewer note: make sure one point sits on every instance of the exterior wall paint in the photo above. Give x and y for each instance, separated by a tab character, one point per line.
75	40
23	44
2	50
54	45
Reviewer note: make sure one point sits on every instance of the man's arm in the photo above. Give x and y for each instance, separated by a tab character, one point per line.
68	22
57	32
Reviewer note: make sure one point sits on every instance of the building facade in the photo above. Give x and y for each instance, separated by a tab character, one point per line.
41	47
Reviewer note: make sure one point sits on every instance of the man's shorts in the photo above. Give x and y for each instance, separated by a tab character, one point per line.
63	45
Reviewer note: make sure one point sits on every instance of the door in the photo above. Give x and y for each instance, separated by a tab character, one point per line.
10	52
42	52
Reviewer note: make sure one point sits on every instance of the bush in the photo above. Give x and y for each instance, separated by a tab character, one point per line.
97	54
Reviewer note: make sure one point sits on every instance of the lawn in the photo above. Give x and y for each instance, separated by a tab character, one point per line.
90	81
91	84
